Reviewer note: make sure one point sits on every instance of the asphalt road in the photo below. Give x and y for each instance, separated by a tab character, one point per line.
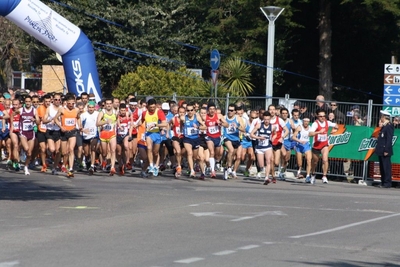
130	221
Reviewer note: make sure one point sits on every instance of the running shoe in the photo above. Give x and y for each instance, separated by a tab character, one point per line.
226	174
133	169
308	179
155	171
324	180
54	172
208	171
16	166
122	170
162	167
143	174
26	170
213	174
202	176
91	171
63	169
128	165
196	167
281	176
192	174
112	171
150	169
44	168
258	176
104	166
9	165
70	174
233	175
246	173
267	181
178	171
273	180
312	179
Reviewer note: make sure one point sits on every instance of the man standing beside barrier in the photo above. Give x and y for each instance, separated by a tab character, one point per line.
319	130
384	149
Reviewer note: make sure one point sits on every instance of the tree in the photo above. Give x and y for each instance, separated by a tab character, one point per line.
13	53
161	83
236	77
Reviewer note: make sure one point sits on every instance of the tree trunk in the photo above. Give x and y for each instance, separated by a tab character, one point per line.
325	54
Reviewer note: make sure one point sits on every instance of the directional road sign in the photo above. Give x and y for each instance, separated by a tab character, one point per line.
215	59
391	88
392	69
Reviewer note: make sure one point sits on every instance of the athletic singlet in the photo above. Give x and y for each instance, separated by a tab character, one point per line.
89	123
151	121
1	117
16	119
141	135
191	127
177	127
276	123
264	131
25	123
124	125
321	140
51	126
303	134
108	127
289	126
213	129
41	111
232	131
68	119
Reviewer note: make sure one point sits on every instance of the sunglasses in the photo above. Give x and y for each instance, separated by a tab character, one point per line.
254	118
56	99
231	110
321	116
333	105
189	109
35	102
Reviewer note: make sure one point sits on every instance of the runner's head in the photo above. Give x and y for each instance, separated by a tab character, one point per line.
85	98
108	104
35	101
295	114
182	111
284	113
122	110
190	109
16	103
70	102
231	110
203	113
151	105
211	108
266	117
306	121
321	115
28	101
253	115
57	100
272	110
91	107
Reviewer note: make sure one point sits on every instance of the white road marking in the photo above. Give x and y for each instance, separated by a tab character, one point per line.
346	226
9	263
213	214
223	253
249	247
268	243
260	214
190	260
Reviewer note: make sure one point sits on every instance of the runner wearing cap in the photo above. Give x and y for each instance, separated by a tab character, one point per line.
124	137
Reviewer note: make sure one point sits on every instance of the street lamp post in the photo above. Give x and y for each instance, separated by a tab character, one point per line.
272	13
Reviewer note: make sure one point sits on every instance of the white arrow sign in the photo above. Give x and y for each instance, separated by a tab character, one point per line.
389	79
388	100
388	90
215	60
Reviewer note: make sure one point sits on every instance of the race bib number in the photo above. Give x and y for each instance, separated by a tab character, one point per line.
107	127
143	138
192	131
213	129
123	130
70	122
264	142
27	126
92	130
231	129
178	130
322	137
16	124
43	126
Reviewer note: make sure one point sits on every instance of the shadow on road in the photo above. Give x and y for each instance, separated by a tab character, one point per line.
344	263
27	190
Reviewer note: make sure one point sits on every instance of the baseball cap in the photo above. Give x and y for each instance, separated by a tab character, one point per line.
165	106
7	95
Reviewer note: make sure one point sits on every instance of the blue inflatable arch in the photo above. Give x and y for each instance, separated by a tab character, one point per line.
65	38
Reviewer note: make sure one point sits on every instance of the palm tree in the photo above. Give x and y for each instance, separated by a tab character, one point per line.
236	76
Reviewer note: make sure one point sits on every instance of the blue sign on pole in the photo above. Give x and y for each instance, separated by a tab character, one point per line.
215	59
391	95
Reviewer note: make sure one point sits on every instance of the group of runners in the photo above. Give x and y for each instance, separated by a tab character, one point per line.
62	132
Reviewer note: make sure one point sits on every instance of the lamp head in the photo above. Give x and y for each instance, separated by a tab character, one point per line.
272	12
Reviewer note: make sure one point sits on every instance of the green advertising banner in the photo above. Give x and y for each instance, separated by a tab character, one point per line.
358	143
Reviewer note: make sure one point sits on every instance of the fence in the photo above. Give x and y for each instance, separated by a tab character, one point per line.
365	115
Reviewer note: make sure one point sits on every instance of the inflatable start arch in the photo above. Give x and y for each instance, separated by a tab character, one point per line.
63	37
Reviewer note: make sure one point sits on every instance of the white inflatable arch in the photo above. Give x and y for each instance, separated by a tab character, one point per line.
65	38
